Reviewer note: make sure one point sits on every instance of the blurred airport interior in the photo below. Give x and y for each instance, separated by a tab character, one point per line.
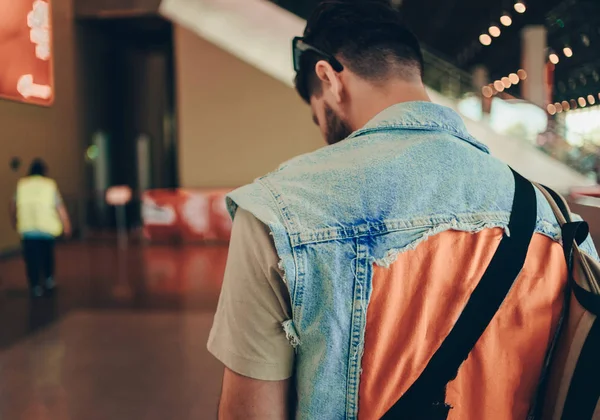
180	101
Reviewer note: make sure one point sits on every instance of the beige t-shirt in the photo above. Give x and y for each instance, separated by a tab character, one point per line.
247	334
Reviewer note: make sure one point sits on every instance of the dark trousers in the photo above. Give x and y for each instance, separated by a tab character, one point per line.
39	259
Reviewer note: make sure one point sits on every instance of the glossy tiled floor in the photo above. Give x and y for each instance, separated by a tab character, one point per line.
124	339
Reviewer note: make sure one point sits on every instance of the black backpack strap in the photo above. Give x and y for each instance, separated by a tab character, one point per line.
575	233
560	203
426	398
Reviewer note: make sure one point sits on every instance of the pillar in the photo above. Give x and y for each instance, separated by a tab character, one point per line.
533	61
481	78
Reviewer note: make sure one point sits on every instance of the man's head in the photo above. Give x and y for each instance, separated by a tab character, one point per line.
381	60
38	167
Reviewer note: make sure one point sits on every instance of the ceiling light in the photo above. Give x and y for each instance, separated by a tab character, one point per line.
520	7
485	39
554	59
499	86
568	52
551	109
558	107
514	78
494	31
506	20
599	96
591	99
522	74
506	82
573	103
581	101
565	105
585	39
487	91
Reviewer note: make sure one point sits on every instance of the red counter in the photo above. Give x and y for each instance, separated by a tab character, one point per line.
186	215
579	192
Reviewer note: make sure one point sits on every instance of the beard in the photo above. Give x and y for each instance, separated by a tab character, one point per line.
337	128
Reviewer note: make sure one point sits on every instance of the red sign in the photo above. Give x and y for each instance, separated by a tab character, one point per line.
26	51
186	215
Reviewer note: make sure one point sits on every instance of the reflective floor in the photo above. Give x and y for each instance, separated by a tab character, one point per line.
124	337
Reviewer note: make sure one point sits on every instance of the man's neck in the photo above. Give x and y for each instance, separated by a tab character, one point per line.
379	99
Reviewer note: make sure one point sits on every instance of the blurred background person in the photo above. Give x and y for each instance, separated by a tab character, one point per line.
39	215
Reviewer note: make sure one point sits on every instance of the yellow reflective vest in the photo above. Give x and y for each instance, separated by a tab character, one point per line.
36	201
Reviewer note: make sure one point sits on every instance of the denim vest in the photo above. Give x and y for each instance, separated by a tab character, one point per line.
410	173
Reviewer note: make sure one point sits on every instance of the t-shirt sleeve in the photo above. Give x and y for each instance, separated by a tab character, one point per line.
247	334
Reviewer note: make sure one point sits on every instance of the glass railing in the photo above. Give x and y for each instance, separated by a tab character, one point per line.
518	119
584	156
444	77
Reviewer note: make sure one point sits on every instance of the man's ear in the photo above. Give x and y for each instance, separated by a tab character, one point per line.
331	80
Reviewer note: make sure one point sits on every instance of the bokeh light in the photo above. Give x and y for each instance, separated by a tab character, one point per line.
92	152
520	7
558	107
568	52
591	99
494	31
506	20
485	39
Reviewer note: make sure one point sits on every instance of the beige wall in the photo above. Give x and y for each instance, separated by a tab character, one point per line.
29	131
234	122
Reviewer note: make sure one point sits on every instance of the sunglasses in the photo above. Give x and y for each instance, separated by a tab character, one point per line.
299	47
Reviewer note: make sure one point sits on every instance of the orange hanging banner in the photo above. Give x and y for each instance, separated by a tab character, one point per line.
26	62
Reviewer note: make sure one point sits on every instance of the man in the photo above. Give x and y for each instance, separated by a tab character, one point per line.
39	215
349	266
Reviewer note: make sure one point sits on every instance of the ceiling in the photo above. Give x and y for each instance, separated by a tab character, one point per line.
451	29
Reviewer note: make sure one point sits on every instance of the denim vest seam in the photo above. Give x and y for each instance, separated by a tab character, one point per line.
357	332
298	291
298	300
396	225
283	208
417	127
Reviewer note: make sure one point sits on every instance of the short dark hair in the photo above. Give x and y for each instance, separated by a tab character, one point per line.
367	36
38	167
